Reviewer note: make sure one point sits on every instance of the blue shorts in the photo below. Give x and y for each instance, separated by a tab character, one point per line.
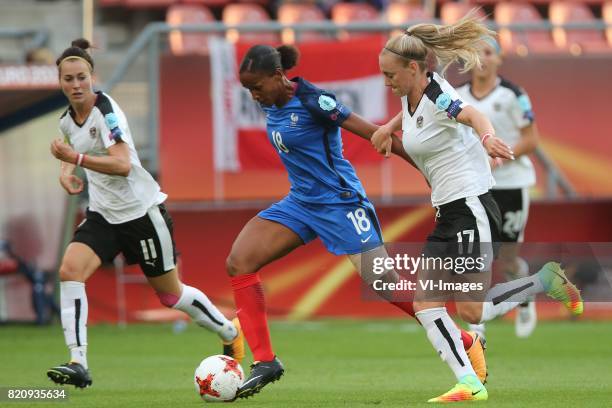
344	228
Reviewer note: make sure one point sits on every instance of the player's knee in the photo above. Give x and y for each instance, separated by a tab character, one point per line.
167	299
470	314
69	271
236	265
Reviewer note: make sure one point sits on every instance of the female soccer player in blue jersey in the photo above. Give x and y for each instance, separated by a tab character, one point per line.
436	134
326	198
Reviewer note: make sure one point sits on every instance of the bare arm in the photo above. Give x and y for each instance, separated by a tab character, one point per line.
528	142
366	130
71	183
526	145
382	139
117	163
67	169
494	146
395	124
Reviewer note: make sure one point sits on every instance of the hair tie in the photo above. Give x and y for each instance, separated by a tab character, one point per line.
404	56
76	57
396	53
493	43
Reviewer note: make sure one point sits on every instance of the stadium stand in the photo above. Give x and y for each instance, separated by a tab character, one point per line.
402	13
451	12
110	3
292	13
188	43
207	3
343	13
576	41
525	41
235	14
607	17
147	3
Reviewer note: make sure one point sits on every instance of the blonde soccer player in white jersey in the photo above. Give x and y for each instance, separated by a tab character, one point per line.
436	123
125	215
509	109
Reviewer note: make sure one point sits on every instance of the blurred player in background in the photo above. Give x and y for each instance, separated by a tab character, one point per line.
125	215
456	166
326	198
509	109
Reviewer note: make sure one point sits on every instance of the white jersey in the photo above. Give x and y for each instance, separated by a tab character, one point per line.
508	108
452	159
118	199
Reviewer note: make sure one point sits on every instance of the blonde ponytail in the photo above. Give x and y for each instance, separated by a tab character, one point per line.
459	42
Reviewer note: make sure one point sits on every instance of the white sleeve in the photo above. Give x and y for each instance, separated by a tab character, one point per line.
521	111
111	130
64	133
448	89
111	121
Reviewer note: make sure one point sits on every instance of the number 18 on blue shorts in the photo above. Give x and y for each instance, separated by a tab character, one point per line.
344	228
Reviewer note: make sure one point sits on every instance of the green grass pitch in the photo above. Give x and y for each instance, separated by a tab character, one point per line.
329	363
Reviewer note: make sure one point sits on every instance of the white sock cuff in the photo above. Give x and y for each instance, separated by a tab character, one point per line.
431	313
184	294
72	289
487	309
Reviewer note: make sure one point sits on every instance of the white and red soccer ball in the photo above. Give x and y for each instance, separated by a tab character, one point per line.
218	378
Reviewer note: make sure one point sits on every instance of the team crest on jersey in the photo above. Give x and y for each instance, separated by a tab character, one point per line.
497	107
326	103
419	122
93	131
443	101
294	119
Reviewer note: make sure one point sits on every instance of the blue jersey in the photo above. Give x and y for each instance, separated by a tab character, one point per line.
306	134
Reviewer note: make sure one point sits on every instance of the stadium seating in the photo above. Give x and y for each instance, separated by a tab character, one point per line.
576	41
406	14
343	13
607	17
110	3
522	42
292	13
452	12
207	3
506	12
147	3
188	43
240	13
167	3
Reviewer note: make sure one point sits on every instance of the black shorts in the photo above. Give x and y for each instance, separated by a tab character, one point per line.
147	241
514	207
466	228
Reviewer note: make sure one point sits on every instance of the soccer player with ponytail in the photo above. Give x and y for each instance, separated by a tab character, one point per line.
436	123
